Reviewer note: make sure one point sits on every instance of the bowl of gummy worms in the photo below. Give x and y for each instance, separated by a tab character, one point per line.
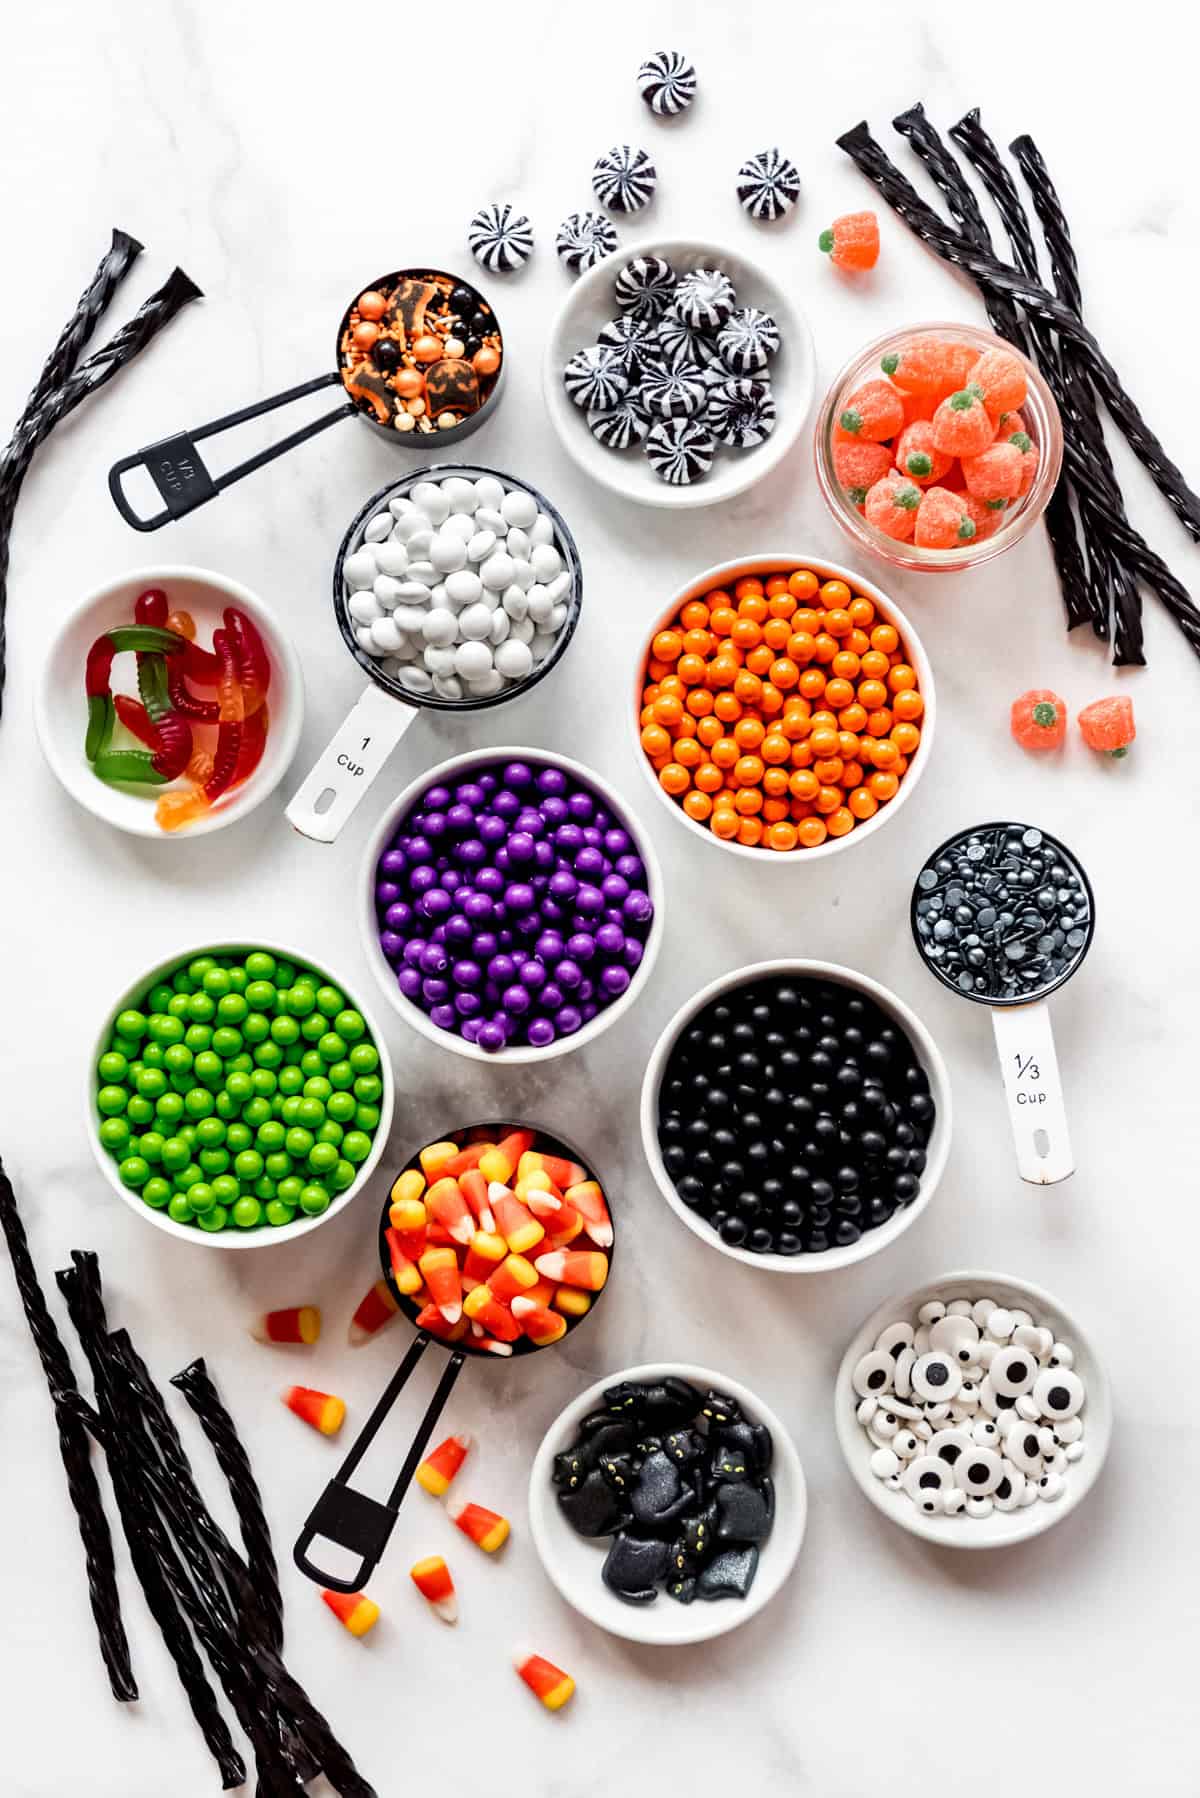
238	1095
511	908
796	1116
974	1412
170	702
938	447
667	1504
784	707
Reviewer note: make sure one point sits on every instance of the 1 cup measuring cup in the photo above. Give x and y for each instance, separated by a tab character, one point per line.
419	354
347	1518
1003	914
479	603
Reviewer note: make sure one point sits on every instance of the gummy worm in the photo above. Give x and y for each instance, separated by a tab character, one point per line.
98	675
174	734
250	654
231	714
204	711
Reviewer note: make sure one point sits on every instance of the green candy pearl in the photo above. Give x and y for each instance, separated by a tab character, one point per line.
189	1176
290	1188
178	1059
279	1214
238	1136
213	1161
257	1113
356	1145
367	1118
247	1212
159	998
176	1154
168	1109
323	1158
139	1110
201	1197
214	1220
111	1100
198	1102
201	1009
270	1136
114	1134
299	1142
150	1147
112	1066
364	1058
344	1175
198	1036
248	1165
341	1075
225	1189
166	1029
131	1024
341	1107
329	1001
156	1192
232	1009
180	1210
351	1025
260	965
314	1200
278	1166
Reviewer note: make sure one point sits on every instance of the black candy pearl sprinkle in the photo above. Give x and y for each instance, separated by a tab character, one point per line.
794	1116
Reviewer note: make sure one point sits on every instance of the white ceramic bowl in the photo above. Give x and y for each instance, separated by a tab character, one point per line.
573	1562
888	612
1003	1527
232	1238
792	373
871	1241
457	768
60	708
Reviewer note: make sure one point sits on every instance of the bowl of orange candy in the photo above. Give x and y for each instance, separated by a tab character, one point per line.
938	447
784	707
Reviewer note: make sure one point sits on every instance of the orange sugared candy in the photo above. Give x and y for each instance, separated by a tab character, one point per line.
942	520
1000	377
852	241
892	507
1039	719
962	425
873	413
813	709
1107	725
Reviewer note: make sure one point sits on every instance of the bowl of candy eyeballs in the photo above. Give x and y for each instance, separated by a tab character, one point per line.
239	1095
938	447
973	1412
678	372
796	1116
784	708
170	702
511	908
667	1504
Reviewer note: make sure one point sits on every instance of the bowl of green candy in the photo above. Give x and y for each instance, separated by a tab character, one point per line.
238	1095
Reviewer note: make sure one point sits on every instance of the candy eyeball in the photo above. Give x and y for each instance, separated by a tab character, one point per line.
935	1378
1058	1392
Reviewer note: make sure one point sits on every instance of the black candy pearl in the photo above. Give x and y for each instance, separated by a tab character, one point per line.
463	300
385	353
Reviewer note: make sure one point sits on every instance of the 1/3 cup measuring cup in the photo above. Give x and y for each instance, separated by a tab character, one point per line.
347	1518
378	720
419	355
1003	914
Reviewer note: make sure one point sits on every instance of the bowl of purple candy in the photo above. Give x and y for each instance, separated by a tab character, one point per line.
512	909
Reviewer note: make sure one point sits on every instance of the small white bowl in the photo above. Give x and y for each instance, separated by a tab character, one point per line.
871	1241
233	1238
457	768
723	574
573	1562
1002	1528
791	371
60	707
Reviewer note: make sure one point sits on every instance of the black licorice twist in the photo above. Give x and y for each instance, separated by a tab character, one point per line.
80	1286
1001	277
76	334
76	1454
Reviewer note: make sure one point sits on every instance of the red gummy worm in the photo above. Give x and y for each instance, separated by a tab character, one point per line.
253	665
250	751
232	708
150	607
98	669
204	711
136	719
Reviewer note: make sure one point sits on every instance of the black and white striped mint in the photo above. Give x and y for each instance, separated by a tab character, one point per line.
747	340
500	239
644	287
634	343
621	427
667	83
741	413
768	185
678	394
594	378
624	179
680	450
704	299
584	239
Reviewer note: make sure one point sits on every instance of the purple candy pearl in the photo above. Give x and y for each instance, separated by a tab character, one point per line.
443	1016
409	982
540	1033
490	1037
638	908
610	939
552	780
393	861
392	944
569	1020
613	981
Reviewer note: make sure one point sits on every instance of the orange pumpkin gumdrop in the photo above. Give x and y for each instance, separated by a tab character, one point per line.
962	425
1039	719
1107	725
858	466
943	521
852	241
892	506
873	413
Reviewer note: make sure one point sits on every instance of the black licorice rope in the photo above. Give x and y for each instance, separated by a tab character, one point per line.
74	1448
990	273
37	421
77	333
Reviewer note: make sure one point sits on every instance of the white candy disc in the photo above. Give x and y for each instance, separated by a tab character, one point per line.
979	1471
1057	1391
872	1374
936	1377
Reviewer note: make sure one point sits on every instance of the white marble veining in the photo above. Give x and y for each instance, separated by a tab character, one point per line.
283	155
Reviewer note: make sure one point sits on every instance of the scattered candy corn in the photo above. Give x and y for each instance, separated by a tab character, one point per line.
852	241
1039	719
432	1579
442	1463
353	1610
323	1411
376	1309
487	1529
1107	725
299	1323
544	1679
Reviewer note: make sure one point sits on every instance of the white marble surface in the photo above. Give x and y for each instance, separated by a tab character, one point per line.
262	147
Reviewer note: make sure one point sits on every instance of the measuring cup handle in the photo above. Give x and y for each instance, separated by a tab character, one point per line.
177	469
349	763
1033	1091
348	1518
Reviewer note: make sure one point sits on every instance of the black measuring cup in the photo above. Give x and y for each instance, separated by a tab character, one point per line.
343	1515
1003	914
356	753
177	469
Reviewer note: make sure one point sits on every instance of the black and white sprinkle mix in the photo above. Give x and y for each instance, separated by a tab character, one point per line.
768	185
624	179
501	239
585	239
678	371
970	1407
1002	913
667	83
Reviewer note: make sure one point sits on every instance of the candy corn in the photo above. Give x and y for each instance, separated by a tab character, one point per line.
474	1189
321	1410
572	1301
519	1228
541	1326
353	1610
442	1463
431	1320
405	1273
445	1203
544	1679
466	1159
432	1579
483	1256
500	1163
407	1189
300	1323
440	1270
489	1344
566	1227
588	1198
376	1309
491	1316
487	1529
436	1157
575	1267
563	1173
544	1205
513	1275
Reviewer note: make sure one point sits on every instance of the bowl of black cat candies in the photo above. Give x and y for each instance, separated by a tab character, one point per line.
667	1503
796	1116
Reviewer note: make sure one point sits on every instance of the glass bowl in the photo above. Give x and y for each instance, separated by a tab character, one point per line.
1042	421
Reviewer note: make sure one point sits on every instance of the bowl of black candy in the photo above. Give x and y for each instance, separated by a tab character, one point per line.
667	1503
796	1116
